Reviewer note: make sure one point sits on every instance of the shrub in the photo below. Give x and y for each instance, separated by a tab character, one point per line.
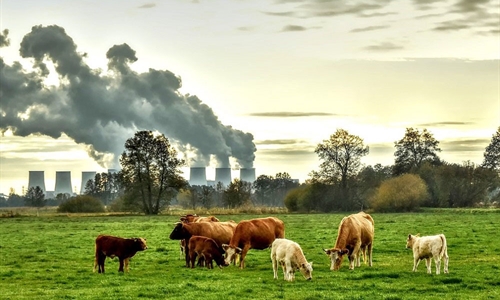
81	204
403	193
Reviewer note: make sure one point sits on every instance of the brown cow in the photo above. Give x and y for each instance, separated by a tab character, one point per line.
190	218
253	234
124	249
207	248
355	236
220	232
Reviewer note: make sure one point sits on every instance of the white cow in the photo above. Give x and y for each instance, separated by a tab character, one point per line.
428	247
291	258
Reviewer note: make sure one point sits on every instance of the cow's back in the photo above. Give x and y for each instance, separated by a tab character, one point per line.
220	232
259	233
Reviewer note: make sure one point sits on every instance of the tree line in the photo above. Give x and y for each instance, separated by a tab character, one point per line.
150	180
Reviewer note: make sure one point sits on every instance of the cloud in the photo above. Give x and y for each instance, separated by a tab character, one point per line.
384	47
281	142
293	28
440	124
102	111
369	28
4	40
148	5
291	114
464	145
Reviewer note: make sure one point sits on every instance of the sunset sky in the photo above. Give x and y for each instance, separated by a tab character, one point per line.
221	76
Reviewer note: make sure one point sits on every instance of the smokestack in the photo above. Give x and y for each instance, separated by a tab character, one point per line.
247	174
86	176
37	178
198	176
63	183
223	175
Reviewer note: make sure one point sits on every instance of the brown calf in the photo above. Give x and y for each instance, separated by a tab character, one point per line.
207	248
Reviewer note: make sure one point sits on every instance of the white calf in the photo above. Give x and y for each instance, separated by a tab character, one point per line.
291	258
428	247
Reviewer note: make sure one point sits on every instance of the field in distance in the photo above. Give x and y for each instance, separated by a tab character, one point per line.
51	257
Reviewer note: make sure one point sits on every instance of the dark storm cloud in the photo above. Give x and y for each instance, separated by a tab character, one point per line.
383	47
290	114
4	40
101	111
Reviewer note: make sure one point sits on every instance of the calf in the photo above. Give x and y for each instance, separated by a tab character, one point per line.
207	249
291	258
124	249
428	247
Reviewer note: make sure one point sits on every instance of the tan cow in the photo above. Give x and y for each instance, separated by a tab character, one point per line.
427	247
206	248
253	234
355	236
220	232
124	249
291	258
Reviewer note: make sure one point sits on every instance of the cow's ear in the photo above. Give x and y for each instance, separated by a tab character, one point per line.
238	250
311	263
418	234
409	236
327	251
225	246
344	251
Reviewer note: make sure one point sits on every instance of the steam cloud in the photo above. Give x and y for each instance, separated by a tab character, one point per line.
102	110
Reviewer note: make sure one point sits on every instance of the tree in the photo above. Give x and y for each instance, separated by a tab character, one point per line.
150	172
35	197
104	186
81	204
403	193
206	196
263	189
492	153
237	193
414	149
341	156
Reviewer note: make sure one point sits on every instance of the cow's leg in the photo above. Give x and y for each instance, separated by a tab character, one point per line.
428	265
289	270
192	258
285	274
275	266
445	258
126	261
353	254
100	262
186	252
437	261
120	269
369	251
416	261
243	254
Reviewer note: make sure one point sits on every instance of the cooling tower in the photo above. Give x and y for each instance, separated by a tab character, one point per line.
37	178
86	176
63	183
223	175
112	171
247	174
197	176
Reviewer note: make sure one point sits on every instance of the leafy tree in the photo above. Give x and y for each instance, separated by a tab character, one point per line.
403	193
150	172
282	184
341	160
15	200
263	190
104	186
492	153
367	181
414	149
206	196
81	204
35	197
194	196
237	193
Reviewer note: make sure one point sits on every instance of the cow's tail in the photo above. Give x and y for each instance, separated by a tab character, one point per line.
444	246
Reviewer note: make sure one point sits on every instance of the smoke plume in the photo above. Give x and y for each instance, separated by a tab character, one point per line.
102	110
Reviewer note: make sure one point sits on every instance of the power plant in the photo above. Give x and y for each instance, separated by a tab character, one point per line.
86	176
223	175
37	178
63	183
198	176
247	174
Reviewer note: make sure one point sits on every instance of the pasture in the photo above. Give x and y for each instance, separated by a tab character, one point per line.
51	257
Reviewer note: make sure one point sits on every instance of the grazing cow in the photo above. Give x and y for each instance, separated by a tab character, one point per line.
253	234
355	236
220	232
112	246
291	258
427	247
207	248
190	218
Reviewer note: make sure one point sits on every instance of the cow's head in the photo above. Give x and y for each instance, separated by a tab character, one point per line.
306	269
231	253
336	256
179	233
140	244
411	240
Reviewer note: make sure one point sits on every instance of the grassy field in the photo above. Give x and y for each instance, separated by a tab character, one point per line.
51	257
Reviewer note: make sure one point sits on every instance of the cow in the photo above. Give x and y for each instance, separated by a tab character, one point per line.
124	249
291	258
355	236
427	247
253	234
190	218
220	232
201	246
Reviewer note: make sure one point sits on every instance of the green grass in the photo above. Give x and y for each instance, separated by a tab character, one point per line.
51	257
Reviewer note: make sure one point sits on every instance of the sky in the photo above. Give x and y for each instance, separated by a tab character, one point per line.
241	84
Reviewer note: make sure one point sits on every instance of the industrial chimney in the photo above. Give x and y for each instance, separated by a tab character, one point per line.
223	175
86	176
197	176
63	183
37	178
247	174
